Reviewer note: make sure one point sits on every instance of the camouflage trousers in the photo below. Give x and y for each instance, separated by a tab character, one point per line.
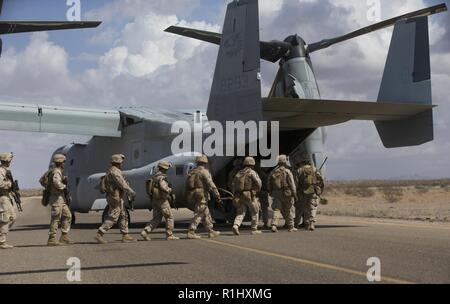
283	207
162	210
116	211
308	206
60	214
265	202
202	214
247	203
7	217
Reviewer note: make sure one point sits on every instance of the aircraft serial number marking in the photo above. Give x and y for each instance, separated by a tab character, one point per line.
234	83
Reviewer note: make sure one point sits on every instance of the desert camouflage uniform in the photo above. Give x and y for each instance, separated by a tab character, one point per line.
201	197
283	199
246	199
116	188
309	199
161	205
60	210
7	212
264	197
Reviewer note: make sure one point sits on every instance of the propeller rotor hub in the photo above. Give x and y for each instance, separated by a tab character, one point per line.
298	47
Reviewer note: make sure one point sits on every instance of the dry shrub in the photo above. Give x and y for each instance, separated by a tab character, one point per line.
422	189
30	192
392	195
360	192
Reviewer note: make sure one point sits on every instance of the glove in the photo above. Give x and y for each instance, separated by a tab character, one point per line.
132	196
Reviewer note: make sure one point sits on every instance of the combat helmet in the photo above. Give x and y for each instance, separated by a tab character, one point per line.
203	159
164	165
117	159
249	161
282	160
59	158
6	157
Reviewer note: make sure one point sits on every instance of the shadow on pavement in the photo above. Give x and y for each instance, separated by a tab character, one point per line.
28	272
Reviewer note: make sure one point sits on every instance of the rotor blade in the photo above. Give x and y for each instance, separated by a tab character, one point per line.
375	27
13	27
1	6
206	36
271	51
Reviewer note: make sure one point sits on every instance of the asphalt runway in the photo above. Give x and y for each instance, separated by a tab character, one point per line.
338	252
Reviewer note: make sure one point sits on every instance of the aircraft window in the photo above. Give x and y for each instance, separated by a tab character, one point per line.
179	170
71	162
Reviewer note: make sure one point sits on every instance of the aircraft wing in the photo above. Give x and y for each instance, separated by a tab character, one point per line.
294	114
59	120
13	27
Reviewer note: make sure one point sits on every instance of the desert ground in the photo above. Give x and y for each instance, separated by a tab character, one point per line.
406	200
419	200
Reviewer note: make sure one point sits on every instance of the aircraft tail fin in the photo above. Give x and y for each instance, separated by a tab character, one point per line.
407	79
236	88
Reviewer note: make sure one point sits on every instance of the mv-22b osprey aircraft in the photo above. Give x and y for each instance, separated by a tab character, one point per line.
403	114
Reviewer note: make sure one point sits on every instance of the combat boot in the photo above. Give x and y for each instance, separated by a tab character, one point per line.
302	226
236	230
52	242
213	234
126	238
172	238
65	239
256	232
274	229
192	236
99	238
312	227
6	246
293	229
145	236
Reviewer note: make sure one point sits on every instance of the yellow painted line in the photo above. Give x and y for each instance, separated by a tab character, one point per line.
308	262
425	226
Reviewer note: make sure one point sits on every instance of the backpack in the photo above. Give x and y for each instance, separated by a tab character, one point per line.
194	186
152	187
239	182
278	179
45	179
194	180
45	182
102	185
308	180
